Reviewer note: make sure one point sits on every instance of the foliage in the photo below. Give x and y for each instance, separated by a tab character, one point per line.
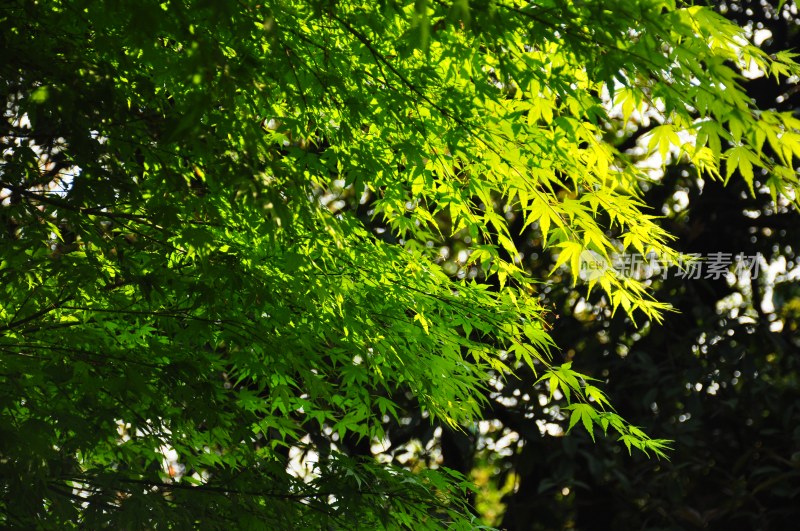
719	377
221	225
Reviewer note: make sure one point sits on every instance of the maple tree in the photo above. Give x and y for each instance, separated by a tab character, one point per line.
221	227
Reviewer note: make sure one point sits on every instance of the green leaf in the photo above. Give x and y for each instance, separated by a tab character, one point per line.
741	158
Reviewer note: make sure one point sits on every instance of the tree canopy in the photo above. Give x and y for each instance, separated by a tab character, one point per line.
226	226
719	376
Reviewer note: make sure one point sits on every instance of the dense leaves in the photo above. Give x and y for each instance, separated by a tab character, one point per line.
222	227
719	378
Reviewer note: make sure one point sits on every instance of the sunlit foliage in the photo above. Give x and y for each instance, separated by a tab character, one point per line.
220	225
